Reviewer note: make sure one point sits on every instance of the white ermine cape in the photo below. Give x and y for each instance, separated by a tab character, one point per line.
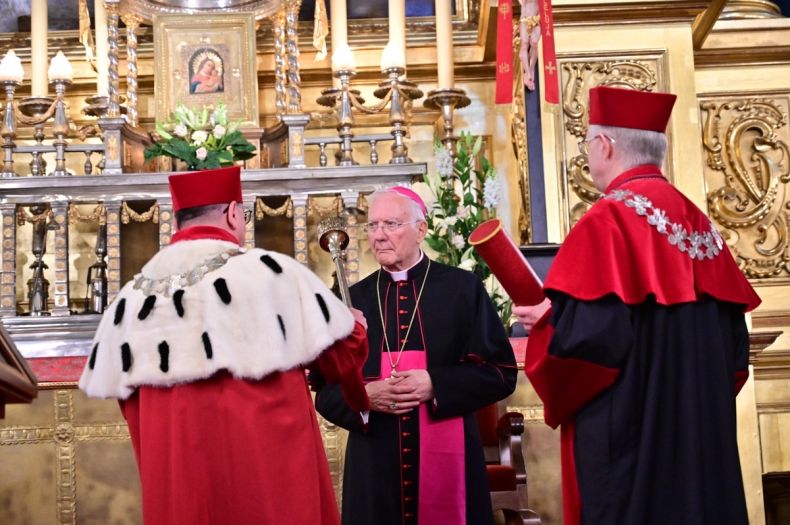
200	306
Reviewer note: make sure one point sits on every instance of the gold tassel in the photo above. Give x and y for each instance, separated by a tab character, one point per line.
86	37
320	30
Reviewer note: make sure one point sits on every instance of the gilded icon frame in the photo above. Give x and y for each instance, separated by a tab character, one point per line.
185	43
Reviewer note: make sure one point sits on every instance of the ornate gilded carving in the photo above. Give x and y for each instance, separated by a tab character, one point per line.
577	79
132	25
64	434
747	171
518	129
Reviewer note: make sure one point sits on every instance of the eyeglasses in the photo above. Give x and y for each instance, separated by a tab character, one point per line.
247	214
584	145
387	226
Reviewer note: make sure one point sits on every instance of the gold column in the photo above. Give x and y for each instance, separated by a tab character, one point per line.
113	108
300	227
249	228
113	250
280	97
8	270
292	44
166	223
132	22
61	284
350	199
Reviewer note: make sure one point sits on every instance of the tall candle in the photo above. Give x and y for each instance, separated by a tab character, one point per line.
38	47
102	49
444	44
397	28
338	30
343	59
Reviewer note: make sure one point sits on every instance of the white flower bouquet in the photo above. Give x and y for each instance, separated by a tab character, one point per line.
466	192
202	139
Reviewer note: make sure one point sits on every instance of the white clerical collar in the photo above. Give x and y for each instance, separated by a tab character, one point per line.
403	275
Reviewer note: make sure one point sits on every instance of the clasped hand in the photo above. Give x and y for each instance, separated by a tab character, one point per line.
401	392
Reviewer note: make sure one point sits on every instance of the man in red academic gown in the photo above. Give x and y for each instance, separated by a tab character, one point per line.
206	349
644	347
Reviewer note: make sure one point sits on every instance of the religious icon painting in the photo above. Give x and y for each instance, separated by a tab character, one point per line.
202	60
206	72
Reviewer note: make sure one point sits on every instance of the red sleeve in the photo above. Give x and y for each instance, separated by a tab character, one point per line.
564	384
342	363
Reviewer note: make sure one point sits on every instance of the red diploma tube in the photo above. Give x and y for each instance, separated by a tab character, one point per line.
506	262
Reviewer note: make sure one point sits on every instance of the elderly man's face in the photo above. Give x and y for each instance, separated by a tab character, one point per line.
398	249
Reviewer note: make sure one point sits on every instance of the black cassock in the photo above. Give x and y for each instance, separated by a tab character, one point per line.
471	364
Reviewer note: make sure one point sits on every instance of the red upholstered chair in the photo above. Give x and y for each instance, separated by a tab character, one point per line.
507	470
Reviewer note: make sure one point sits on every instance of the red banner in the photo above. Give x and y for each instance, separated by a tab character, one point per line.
504	52
551	79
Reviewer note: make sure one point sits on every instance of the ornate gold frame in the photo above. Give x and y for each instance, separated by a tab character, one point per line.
177	37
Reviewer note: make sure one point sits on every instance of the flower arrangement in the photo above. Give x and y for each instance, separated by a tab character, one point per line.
202	139
466	192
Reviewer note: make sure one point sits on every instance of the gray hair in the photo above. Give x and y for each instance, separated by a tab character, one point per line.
635	146
414	209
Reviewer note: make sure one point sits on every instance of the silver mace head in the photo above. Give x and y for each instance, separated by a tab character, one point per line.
332	234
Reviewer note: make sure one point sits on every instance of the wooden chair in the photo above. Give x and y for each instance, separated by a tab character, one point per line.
507	470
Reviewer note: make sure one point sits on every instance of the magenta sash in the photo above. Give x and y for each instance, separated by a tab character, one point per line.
442	482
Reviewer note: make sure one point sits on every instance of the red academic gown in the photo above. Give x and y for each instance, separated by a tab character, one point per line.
640	358
227	450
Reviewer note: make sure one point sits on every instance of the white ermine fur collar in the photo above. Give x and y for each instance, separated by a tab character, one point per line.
258	313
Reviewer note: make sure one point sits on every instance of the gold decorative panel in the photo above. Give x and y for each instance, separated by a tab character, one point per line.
641	72
745	139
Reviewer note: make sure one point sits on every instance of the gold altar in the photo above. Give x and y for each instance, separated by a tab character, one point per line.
66	459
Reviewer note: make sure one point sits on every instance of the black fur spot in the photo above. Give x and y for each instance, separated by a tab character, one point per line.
322	304
271	263
92	360
164	356
178	302
222	290
126	357
207	346
148	305
282	326
119	312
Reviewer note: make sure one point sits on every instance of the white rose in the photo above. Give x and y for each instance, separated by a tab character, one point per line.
199	137
219	131
201	153
180	130
467	264
458	241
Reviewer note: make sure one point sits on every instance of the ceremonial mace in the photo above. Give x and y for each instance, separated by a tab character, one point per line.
333	238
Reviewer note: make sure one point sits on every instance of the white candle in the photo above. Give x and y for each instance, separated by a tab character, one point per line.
392	57
397	28
38	47
102	49
60	68
444	44
11	68
338	30
343	59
